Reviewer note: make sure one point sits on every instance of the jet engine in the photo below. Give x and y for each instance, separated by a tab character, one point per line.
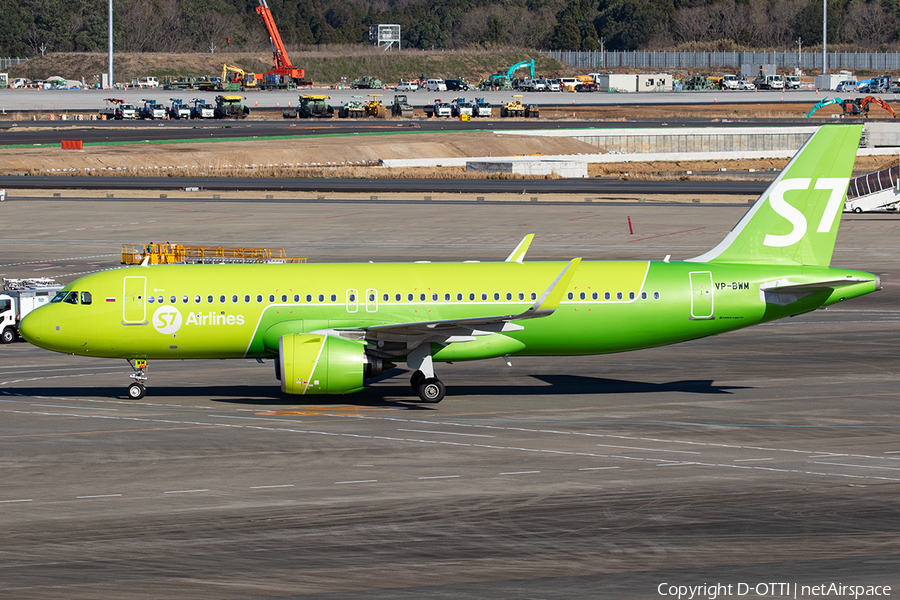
312	363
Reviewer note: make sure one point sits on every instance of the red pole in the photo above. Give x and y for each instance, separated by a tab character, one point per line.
630	228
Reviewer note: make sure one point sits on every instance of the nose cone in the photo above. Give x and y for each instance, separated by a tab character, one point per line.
30	327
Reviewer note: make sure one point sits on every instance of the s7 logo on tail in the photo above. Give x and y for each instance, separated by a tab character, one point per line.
838	187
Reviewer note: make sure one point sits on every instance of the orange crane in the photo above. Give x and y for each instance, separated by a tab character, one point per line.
283	66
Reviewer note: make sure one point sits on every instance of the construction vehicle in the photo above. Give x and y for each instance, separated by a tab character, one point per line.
235	79
174	254
21	296
200	109
401	107
482	108
878	191
285	75
514	108
696	83
532	111
178	109
366	82
853	106
231	107
310	107
503	81
374	107
118	109
438	108
354	108
151	109
459	108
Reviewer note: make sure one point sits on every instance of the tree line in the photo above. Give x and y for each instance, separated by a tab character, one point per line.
34	27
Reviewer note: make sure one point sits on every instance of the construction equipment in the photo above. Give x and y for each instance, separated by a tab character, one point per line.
231	107
482	108
354	108
235	79
459	107
172	254
696	83
514	108
178	109
285	75
503	81
366	82
532	111
374	107
311	106
19	297
117	109
151	109
853	106
200	109
438	109
401	107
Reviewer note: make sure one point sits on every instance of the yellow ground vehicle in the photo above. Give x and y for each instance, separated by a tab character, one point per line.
235	79
170	254
374	107
514	108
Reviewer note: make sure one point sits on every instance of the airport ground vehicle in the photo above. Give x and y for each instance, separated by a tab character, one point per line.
151	109
730	82
438	108
235	79
178	109
769	82
791	82
118	109
517	109
482	108
435	85
407	85
18	298
311	107
375	108
460	107
878	191
231	107
401	107
200	109
456	85
330	327
846	86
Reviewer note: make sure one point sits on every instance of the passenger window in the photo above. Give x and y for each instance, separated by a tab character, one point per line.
594	296
72	298
160	299
172	299
222	299
631	295
521	296
434	297
309	297
471	296
533	295
618	295
234	299
459	296
334	297
271	297
259	297
385	297
321	297
352	297
570	296
86	297
398	297
483	296
184	299
508	295
197	299
446	297
296	297
246	298
643	295
284	297
581	296
421	297
496	295
209	299
372	297
656	295
606	296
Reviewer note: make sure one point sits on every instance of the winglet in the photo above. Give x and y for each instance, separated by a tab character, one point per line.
549	300
518	255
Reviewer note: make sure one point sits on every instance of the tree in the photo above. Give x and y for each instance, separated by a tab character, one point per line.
495	35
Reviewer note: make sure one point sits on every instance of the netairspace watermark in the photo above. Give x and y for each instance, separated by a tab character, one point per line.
712	591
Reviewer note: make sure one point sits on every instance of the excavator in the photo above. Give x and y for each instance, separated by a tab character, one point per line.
235	79
853	106
285	75
503	81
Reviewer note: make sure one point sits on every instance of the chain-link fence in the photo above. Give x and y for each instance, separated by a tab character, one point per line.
6	63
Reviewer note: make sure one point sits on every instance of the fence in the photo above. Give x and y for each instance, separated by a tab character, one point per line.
853	61
6	63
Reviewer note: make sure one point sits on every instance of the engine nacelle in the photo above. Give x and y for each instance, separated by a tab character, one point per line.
312	363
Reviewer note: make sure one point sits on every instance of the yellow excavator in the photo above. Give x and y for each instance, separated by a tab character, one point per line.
235	79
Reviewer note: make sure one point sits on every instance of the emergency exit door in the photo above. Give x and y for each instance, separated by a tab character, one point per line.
701	295
134	300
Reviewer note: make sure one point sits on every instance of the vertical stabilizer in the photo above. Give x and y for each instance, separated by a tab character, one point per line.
795	221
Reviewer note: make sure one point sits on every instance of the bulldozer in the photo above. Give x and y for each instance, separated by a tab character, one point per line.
374	107
401	107
311	107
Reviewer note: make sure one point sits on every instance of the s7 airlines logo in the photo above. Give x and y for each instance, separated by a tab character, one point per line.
167	319
837	185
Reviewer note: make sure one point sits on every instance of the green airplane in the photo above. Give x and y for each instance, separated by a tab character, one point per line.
331	327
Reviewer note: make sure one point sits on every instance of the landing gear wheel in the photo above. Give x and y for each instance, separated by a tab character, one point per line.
431	391
416	380
7	336
136	391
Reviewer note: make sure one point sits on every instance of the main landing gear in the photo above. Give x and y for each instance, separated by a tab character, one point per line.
429	388
137	389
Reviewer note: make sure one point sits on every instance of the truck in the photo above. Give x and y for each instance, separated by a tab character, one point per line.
731	82
200	109
145	82
178	109
21	296
117	109
151	109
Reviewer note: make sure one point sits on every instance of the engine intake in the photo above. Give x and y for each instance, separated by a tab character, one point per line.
311	363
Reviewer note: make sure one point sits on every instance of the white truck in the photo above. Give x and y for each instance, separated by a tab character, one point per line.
18	298
731	82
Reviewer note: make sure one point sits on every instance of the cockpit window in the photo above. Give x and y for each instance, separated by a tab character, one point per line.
86	298
71	298
59	297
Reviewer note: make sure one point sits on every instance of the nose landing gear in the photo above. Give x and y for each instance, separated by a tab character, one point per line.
137	389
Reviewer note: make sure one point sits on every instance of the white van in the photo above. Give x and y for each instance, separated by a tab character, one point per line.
436	85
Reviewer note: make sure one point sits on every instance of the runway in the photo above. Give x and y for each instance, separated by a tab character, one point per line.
769	455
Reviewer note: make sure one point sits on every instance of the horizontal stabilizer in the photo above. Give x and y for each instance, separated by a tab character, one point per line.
784	292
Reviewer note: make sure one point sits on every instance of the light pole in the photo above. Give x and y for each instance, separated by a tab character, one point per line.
799	50
110	69
824	37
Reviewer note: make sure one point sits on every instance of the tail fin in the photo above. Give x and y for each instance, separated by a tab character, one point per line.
795	221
